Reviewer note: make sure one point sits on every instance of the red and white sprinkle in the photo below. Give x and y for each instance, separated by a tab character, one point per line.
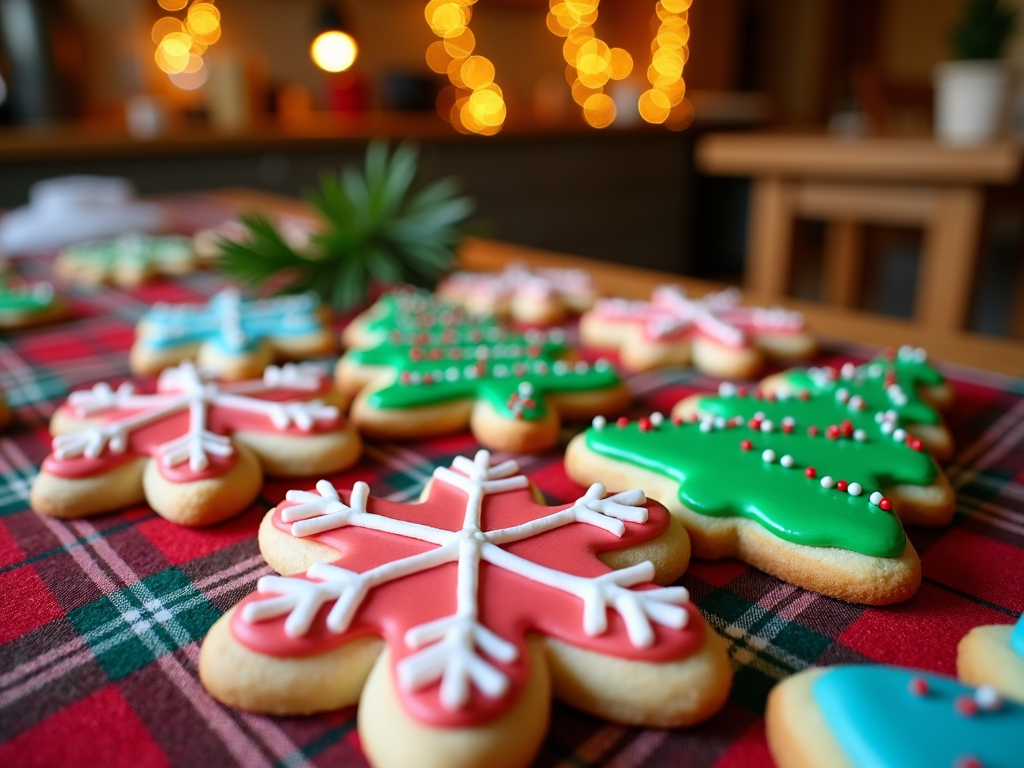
827	481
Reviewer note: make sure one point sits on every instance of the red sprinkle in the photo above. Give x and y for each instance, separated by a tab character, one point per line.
435	354
966	706
812	430
846	428
621	422
787	428
811	472
918	686
885	505
754	424
415	353
805	395
694	418
832	432
677	420
841	485
968	762
915	443
757	394
746	445
427	378
741	391
645	424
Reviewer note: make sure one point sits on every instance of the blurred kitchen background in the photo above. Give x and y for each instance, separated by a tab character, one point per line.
236	99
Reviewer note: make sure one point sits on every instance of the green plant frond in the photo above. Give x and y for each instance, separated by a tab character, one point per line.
379	225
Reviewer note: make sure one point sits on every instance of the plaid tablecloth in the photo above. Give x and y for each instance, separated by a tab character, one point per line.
101	620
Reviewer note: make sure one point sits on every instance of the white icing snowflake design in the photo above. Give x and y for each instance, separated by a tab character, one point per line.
455	649
517	279
183	389
670	312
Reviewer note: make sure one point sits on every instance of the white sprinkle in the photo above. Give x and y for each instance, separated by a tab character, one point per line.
719	422
854	489
657	418
560	368
482	353
899	435
759	415
788	421
525	389
582	366
470	372
856	402
768	455
767	425
786	461
887	427
847	371
415	377
452	374
876	497
827	481
879	417
988	698
860	435
500	370
599	423
726	389
891	415
708	425
875	370
842	394
602	365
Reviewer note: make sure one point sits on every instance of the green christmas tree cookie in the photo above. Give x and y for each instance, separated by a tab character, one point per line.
806	488
425	368
900	385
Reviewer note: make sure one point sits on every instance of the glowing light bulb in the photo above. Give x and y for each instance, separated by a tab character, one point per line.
334	51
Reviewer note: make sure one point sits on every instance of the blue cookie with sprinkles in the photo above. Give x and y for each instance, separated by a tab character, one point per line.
230	338
889	717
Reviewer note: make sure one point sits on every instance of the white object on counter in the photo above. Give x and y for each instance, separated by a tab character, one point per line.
70	209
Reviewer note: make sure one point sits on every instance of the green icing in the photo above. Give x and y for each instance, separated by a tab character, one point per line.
24	298
719	479
440	354
908	370
132	249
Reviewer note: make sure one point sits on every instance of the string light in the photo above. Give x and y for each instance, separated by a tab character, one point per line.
180	45
334	51
477	104
592	63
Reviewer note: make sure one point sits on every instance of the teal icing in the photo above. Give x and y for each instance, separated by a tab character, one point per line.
908	369
879	723
232	325
1017	638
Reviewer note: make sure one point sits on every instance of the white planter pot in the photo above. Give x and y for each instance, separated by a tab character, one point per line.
970	100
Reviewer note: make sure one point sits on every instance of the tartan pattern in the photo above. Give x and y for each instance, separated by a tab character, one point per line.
102	617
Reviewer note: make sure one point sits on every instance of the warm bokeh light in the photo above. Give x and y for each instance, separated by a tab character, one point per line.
180	45
591	61
473	103
666	101
334	51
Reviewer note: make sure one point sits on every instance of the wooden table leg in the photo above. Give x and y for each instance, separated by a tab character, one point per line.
948	259
843	256
770	238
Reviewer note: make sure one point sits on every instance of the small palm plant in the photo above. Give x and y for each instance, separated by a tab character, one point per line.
379	226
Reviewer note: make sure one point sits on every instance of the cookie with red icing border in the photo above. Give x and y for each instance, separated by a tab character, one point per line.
195	449
453	622
994	655
870	716
714	332
541	297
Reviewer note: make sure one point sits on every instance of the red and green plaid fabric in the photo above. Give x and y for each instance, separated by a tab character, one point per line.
101	619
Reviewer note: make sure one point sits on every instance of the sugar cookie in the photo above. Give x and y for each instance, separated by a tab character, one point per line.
27	304
784	485
195	450
532	296
434	370
452	622
900	389
713	332
230	338
870	716
126	261
994	655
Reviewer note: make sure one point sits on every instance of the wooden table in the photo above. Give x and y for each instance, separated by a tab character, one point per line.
848	182
974	350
